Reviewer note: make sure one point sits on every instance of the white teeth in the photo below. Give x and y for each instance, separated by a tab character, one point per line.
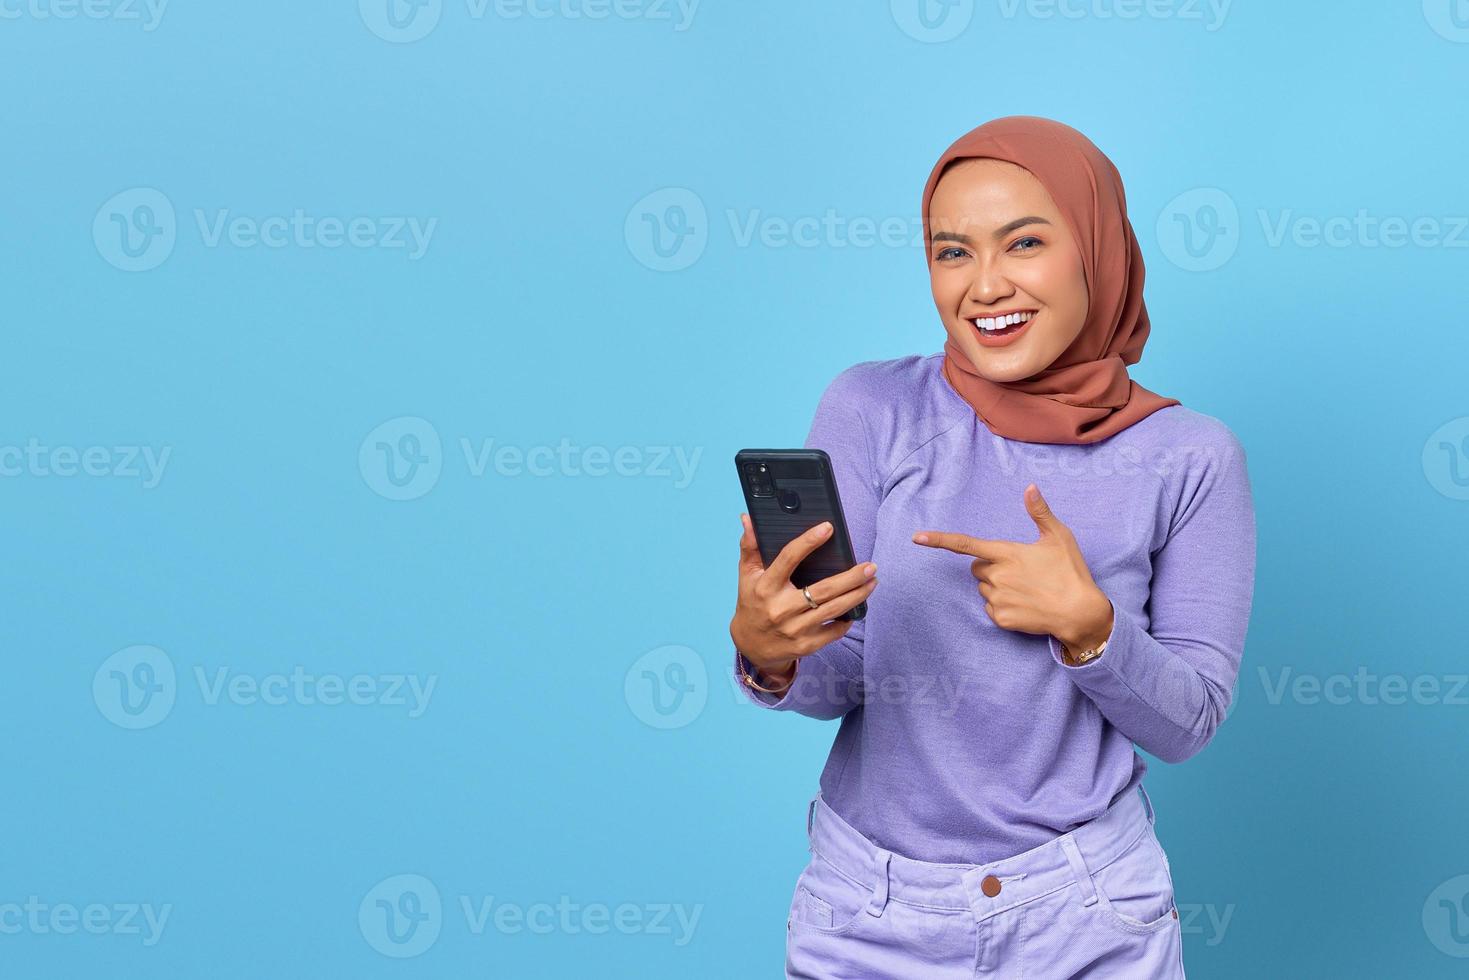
999	323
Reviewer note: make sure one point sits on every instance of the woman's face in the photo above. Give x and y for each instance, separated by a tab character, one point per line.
999	246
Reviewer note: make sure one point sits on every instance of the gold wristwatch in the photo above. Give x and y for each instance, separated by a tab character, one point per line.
1086	656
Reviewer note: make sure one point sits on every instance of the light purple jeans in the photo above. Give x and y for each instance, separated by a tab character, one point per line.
1095	902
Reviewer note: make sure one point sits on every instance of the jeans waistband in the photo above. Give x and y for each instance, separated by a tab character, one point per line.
986	889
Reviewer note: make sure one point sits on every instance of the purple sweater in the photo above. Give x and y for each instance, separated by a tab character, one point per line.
961	742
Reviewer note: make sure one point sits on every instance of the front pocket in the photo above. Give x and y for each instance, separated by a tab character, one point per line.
1135	892
826	900
815	911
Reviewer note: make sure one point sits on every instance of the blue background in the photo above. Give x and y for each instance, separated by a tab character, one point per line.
547	766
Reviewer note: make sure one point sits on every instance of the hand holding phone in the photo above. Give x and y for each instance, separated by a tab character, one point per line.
800	528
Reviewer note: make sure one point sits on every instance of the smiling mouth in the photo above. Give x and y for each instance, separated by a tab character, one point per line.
999	330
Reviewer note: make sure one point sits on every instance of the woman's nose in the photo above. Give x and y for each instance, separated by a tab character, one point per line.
988	285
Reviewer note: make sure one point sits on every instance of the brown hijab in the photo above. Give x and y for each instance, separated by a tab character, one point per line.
1086	394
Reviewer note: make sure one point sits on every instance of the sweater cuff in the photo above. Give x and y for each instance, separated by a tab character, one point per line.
1113	639
764	699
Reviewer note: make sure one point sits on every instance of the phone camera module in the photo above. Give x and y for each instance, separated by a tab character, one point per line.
762	484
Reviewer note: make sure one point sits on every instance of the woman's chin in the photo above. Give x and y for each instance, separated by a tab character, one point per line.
999	364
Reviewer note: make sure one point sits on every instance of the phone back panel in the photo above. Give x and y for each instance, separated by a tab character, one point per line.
787	492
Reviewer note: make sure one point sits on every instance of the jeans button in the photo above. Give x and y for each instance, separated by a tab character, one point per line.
990	886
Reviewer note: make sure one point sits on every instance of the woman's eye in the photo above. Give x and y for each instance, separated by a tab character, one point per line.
1027	238
951	252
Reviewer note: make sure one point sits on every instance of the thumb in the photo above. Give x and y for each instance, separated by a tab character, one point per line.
749	549
1040	512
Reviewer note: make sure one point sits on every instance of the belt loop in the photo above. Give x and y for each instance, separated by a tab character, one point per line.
1078	868
1147	802
881	860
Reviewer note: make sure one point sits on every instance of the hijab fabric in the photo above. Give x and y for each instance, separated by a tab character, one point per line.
1085	395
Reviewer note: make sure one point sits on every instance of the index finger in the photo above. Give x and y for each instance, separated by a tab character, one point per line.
749	548
797	549
963	544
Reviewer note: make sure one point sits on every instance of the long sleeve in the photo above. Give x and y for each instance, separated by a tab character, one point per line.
1167	687
828	682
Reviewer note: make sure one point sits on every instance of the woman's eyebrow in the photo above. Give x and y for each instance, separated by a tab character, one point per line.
1029	219
962	239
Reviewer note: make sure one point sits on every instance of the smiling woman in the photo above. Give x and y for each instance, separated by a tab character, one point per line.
1006	830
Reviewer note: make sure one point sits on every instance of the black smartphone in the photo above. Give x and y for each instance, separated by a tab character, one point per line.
788	492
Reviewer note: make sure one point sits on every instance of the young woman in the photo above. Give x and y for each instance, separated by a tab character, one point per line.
981	812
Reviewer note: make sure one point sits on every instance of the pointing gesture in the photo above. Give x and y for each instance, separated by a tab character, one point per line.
1043	587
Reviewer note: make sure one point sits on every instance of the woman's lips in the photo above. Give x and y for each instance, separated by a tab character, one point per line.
1003	337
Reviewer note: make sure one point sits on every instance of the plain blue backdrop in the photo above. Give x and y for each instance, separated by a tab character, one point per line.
269	461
